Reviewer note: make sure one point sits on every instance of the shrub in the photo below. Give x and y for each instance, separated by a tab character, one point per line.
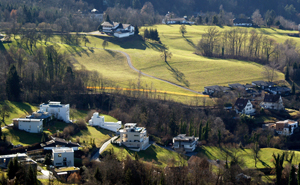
81	124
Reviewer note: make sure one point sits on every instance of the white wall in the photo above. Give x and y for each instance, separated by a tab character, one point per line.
31	125
134	138
59	111
97	120
121	35
58	158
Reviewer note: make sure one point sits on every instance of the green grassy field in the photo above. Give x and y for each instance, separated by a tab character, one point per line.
155	154
265	160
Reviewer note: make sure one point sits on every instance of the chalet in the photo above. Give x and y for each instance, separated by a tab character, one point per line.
263	84
244	106
210	90
187	143
58	142
245	22
118	29
273	102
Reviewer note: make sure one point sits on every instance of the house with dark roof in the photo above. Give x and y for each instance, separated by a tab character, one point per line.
118	29
263	84
187	143
244	106
273	102
56	142
210	90
245	22
284	91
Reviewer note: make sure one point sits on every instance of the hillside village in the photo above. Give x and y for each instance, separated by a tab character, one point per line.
133	92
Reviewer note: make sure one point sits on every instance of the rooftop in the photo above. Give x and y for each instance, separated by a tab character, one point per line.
13	155
29	120
62	150
271	98
183	137
241	103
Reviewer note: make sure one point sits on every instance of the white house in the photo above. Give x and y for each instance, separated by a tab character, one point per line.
286	127
244	106
188	143
243	22
58	110
97	120
134	137
272	102
170	20
29	125
63	157
56	142
118	29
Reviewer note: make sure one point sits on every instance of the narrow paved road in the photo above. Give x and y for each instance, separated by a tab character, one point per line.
103	147
132	67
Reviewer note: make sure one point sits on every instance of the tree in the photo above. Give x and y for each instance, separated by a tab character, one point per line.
107	19
255	149
298	174
136	4
199	20
31	177
287	74
270	17
219	138
136	30
104	44
48	160
4	112
146	33
256	18
292	178
206	131
11	172
128	177
182	30
165	54
136	156
278	163
13	87
98	175
208	42
215	20
270	72
200	131
100	27
293	88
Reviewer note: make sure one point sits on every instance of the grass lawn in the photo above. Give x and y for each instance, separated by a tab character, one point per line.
295	114
17	110
21	137
265	119
158	155
265	160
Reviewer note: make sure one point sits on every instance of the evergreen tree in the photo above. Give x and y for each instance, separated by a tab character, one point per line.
107	19
11	172
206	131
98	175
136	4
215	19
295	66
128	177
136	30
200	131
100	27
191	127
163	180
31	177
293	88
199	20
287	73
146	33
278	163
219	137
48	160
136	156
13	87
292	178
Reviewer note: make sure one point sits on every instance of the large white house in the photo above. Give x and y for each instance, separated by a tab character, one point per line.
58	110
134	137
29	125
63	156
187	143
118	29
97	120
286	127
272	102
244	106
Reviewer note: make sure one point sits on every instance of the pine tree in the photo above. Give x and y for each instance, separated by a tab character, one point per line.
219	137
31	177
136	4
136	30
292	178
13	88
295	66
98	175
162	179
146	33
11	173
47	160
136	156
107	19
215	20
206	131
200	131
287	73
278	163
293	88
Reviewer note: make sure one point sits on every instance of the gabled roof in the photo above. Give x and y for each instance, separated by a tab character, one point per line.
61	142
108	24
271	98
263	83
241	103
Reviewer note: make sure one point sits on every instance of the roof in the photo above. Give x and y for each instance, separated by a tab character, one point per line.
183	137
241	103
288	121
109	24
242	20
29	120
271	98
235	86
280	89
39	115
263	83
58	141
62	150
13	155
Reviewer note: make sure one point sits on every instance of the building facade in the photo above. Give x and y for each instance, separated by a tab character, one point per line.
244	106
134	137
63	157
273	102
187	143
57	110
56	142
286	127
118	29
29	125
97	120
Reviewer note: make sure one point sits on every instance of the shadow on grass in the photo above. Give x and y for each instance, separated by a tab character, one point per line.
23	107
179	76
190	42
112	53
22	136
264	164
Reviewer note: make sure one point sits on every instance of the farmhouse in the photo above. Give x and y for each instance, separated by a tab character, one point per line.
57	110
246	22
244	106
134	137
187	143
272	102
97	120
63	157
263	84
58	142
29	125
118	29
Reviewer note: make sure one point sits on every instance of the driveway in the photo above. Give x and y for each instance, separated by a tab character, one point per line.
103	147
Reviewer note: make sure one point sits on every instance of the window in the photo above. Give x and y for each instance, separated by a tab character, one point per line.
59	155
136	135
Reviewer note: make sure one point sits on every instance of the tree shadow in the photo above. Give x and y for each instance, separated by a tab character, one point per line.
112	53
190	42
23	107
132	42
179	76
263	163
